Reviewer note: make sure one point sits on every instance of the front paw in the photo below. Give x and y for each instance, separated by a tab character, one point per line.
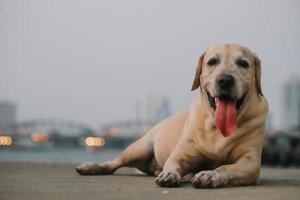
89	168
209	179
168	179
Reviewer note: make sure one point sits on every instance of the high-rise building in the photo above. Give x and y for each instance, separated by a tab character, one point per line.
269	123
7	114
153	108
291	105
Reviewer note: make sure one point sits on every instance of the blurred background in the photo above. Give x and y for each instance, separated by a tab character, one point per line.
80	80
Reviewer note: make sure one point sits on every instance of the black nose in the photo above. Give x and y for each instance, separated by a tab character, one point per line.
225	81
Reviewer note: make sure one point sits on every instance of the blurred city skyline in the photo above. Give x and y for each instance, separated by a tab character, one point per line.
90	61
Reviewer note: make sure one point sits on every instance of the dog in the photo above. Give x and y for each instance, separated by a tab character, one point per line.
218	142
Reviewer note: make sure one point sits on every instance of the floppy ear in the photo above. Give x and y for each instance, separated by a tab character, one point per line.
198	72
257	65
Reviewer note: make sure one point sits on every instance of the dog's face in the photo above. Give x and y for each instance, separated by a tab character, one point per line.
228	72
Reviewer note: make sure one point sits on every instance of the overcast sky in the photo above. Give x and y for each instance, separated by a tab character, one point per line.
89	61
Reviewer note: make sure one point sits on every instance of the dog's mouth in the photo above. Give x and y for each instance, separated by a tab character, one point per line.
225	108
213	100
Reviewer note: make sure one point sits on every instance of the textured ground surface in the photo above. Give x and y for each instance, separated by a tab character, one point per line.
59	181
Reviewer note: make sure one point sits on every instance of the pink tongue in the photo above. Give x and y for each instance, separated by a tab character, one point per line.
225	117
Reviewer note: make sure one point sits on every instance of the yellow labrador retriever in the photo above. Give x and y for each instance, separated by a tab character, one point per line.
218	142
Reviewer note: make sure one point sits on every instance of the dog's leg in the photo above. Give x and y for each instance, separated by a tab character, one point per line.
182	161
244	172
139	154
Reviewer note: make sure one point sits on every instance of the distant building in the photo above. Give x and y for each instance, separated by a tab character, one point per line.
150	110
153	108
291	105
55	127
269	123
125	129
8	112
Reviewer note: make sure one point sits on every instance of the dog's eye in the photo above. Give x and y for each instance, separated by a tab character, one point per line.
242	63
213	61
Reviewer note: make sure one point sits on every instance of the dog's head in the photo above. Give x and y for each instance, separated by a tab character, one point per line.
226	74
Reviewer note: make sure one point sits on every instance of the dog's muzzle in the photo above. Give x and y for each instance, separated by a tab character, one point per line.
225	105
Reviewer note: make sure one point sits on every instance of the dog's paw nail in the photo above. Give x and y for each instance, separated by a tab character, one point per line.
168	179
208	179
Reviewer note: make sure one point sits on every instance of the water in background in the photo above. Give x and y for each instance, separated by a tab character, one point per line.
58	155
